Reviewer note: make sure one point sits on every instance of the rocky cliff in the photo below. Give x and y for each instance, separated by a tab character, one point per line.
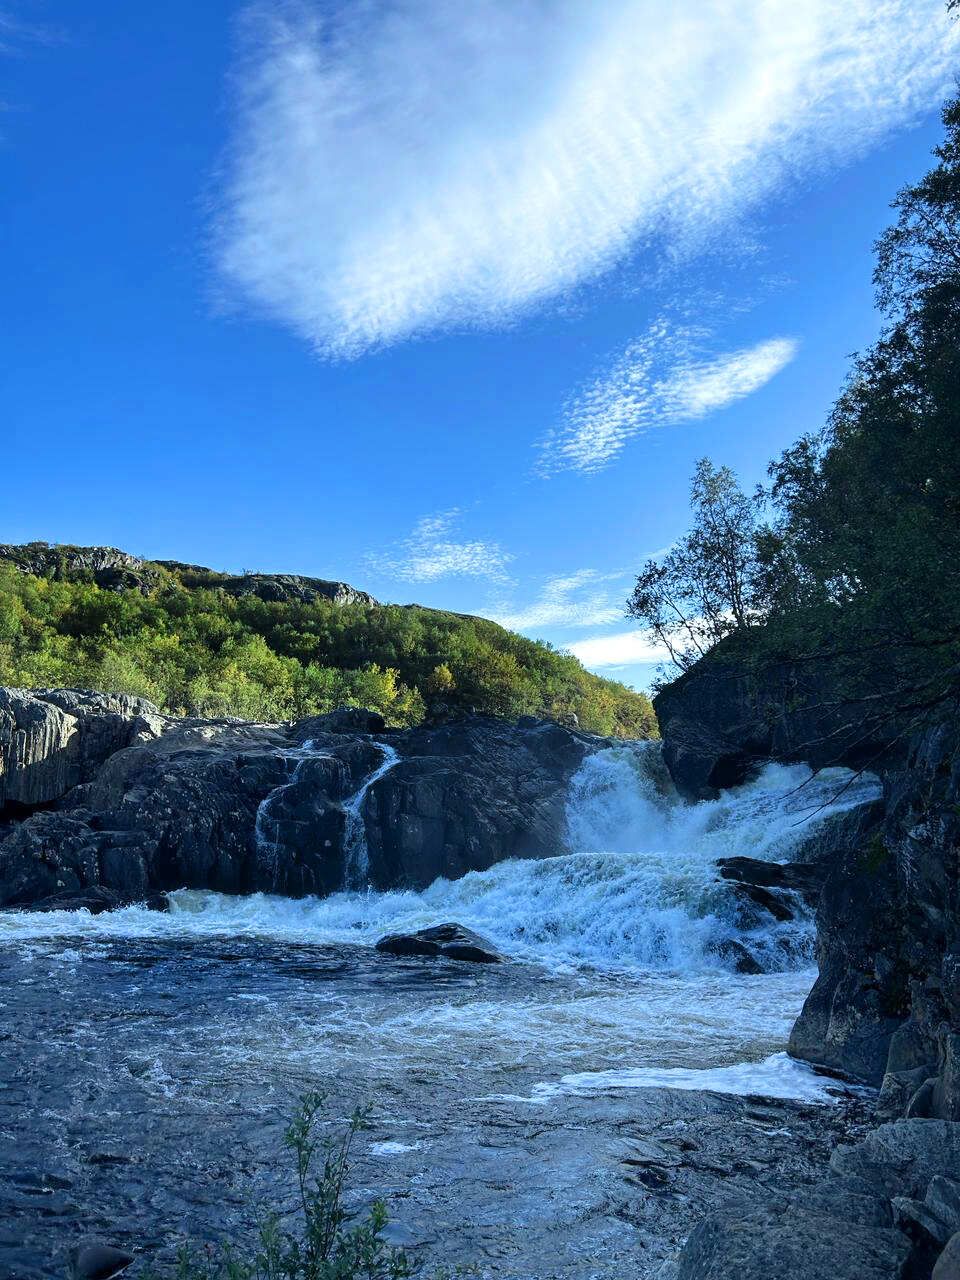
886	1004
116	570
105	795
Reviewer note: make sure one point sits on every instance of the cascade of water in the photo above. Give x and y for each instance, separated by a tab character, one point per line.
268	847
635	888
356	859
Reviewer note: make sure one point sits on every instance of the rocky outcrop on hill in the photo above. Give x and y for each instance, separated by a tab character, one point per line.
107	567
886	1004
116	570
279	588
104	793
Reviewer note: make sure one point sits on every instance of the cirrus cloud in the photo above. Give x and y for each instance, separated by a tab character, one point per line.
433	551
406	167
659	380
585	598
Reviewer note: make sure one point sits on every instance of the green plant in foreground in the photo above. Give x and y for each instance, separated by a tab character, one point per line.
322	1242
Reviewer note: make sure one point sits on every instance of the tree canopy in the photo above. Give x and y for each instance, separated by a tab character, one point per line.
194	648
855	542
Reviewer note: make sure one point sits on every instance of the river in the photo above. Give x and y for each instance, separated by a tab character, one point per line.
150	1059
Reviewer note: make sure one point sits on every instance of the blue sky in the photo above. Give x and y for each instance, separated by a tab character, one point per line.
443	301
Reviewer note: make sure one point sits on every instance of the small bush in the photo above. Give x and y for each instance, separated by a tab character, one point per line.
321	1242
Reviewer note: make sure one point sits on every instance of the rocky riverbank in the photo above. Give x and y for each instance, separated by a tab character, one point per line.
885	1008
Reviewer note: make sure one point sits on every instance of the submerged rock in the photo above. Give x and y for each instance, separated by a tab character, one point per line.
452	941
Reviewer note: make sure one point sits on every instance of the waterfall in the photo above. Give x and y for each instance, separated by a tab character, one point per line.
356	858
268	849
635	888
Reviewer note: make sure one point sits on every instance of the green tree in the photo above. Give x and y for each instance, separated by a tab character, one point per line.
707	584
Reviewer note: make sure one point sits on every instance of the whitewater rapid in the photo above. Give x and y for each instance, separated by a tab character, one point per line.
636	889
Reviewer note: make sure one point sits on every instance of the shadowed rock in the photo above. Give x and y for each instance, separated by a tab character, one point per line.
98	1262
452	941
147	803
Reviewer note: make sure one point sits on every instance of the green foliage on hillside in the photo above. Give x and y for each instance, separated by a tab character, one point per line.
200	651
852	553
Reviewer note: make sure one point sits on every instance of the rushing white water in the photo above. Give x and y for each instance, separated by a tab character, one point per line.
639	889
356	854
776	1076
624	926
267	827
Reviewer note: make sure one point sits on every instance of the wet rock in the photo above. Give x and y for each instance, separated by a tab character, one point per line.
98	1262
903	1157
96	899
943	1199
757	1243
451	941
804	879
947	1266
235	807
738	956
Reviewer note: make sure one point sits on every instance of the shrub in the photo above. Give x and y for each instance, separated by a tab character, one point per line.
322	1242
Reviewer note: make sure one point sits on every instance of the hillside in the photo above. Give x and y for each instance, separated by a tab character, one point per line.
277	646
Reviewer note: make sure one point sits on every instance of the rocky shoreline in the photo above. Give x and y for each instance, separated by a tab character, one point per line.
885	1008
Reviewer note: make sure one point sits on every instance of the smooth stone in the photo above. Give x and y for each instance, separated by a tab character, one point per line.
451	941
99	1261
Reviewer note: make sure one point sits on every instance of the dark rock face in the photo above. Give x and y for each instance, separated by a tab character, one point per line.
886	1005
451	941
886	1208
468	794
736	709
51	740
887	1000
110	796
774	887
763	1241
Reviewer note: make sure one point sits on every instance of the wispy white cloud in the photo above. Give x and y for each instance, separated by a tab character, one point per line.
623	649
432	551
660	379
398	168
586	598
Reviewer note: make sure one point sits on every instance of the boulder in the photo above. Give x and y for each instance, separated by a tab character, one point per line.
763	1241
98	1262
739	957
804	879
52	740
452	941
947	1266
903	1157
